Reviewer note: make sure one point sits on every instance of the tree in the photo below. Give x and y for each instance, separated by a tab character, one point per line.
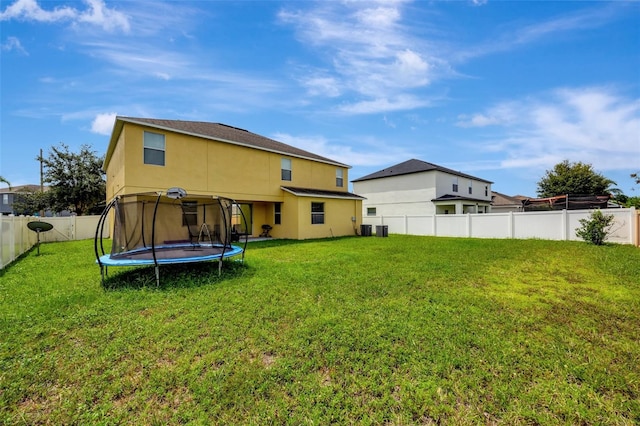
29	203
77	182
595	229
636	177
3	180
574	178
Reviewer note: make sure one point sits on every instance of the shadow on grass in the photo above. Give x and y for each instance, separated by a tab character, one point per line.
184	275
276	242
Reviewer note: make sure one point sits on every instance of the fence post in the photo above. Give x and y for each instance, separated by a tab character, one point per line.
406	225
12	238
565	225
1	242
433	219
469	225
510	224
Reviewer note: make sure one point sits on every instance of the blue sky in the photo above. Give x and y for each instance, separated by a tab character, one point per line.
502	90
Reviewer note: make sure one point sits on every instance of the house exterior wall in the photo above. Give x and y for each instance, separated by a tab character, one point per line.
338	217
247	175
411	194
404	194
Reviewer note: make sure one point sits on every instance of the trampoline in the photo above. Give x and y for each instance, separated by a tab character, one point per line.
169	227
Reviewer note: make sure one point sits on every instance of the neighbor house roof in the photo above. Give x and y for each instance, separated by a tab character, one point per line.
414	166
499	199
309	192
23	188
451	197
217	132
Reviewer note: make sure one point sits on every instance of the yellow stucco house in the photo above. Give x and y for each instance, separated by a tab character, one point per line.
299	194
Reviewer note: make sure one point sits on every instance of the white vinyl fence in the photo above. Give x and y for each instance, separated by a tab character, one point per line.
16	238
548	225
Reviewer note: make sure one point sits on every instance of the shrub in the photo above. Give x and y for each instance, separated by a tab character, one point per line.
595	229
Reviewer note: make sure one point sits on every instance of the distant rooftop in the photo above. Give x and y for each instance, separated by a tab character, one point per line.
414	166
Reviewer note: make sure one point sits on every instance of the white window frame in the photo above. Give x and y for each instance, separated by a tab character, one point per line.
454	186
339	177
371	211
317	217
153	146
286	172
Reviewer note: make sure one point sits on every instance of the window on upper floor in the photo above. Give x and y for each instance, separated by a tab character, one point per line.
154	148
486	190
317	213
454	186
470	187
5	199
339	178
285	165
371	211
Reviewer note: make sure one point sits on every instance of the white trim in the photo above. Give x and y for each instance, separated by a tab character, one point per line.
317	195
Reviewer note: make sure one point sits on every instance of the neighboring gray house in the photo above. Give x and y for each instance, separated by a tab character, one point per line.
505	203
416	187
9	196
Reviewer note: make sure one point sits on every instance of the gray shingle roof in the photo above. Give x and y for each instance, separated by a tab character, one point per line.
414	166
229	134
310	192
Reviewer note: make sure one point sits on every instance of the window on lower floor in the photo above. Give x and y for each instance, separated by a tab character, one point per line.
277	213
317	213
189	213
371	211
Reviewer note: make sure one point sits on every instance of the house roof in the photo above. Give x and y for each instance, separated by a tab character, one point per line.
22	188
218	132
414	166
499	199
451	197
309	192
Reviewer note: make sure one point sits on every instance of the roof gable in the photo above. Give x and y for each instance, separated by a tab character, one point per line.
218	132
414	166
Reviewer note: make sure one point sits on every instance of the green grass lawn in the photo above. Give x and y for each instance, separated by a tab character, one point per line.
398	330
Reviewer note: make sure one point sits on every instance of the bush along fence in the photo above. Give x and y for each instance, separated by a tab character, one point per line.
547	225
16	238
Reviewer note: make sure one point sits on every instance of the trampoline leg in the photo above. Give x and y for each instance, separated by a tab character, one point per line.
219	267
157	276
102	274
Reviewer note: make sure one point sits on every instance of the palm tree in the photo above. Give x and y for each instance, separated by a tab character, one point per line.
3	180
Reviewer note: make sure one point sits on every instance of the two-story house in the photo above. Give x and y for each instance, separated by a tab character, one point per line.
416	187
297	193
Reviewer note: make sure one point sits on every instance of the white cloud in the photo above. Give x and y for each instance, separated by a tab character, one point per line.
13	43
520	34
367	52
380	105
103	123
369	153
97	14
595	125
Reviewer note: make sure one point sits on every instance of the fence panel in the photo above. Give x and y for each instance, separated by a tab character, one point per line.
490	225
16	238
548	225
